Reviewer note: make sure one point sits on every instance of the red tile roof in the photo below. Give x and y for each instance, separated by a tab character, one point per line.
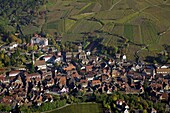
40	62
163	70
69	67
62	79
96	82
14	72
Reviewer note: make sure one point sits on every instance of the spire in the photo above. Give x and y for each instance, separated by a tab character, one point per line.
80	48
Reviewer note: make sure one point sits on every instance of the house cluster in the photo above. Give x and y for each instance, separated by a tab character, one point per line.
89	73
10	46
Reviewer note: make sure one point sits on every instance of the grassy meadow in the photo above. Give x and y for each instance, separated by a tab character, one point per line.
81	108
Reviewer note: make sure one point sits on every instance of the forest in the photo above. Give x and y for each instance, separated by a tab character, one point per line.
14	13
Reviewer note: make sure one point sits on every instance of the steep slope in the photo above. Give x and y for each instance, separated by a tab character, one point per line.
140	22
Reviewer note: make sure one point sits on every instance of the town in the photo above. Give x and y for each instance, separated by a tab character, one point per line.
78	72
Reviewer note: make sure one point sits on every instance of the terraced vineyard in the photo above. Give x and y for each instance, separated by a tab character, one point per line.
139	21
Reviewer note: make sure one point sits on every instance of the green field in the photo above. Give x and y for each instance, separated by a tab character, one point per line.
128	32
81	108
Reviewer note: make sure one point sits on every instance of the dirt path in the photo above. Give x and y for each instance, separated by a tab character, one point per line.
56	108
114	5
66	106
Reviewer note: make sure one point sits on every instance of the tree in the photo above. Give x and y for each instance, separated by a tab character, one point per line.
1	64
25	109
145	111
13	61
163	59
140	106
35	47
114	97
2	55
29	48
5	107
145	104
114	105
31	69
12	38
7	60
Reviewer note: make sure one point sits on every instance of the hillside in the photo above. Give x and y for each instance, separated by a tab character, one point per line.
131	23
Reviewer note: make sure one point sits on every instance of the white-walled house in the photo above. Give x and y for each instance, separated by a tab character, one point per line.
40	64
40	41
47	57
14	73
13	45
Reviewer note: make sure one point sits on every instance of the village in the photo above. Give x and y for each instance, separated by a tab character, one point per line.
85	70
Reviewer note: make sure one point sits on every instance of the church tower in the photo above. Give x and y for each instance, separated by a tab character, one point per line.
80	48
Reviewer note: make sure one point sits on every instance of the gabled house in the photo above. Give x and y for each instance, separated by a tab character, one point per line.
69	67
48	97
2	77
84	83
156	86
89	68
164	96
13	45
118	55
149	71
48	58
85	61
95	82
163	71
167	87
45	74
75	75
104	78
40	64
18	81
82	55
40	41
50	82
35	76
7	100
90	77
61	80
64	90
14	73
153	110
115	73
39	100
111	62
70	55
58	59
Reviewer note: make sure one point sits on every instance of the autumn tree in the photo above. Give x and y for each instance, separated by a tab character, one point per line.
1	64
7	60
